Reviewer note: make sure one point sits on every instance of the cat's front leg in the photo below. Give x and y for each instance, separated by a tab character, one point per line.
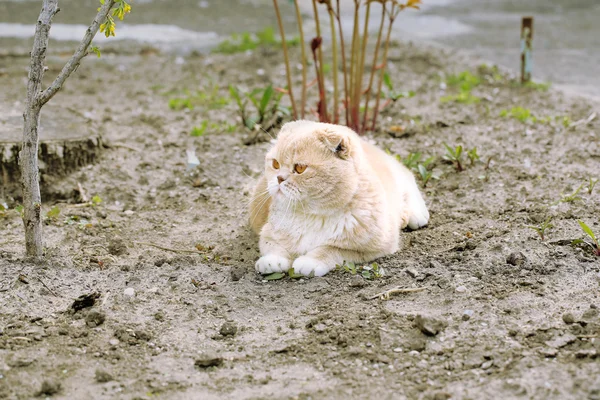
324	259
275	258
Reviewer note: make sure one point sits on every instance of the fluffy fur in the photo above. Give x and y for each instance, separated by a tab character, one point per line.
349	204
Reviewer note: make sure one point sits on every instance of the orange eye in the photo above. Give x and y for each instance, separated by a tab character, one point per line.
275	164
299	168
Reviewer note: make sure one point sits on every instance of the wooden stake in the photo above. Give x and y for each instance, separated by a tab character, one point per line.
526	48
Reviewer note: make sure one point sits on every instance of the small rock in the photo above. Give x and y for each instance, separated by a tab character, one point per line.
129	213
561	341
228	329
95	318
429	325
487	364
114	342
237	273
49	388
357	282
159	316
412	272
208	359
568	318
474	361
591	353
517	259
549	352
467	314
397	350
129	292
590	314
320	328
103	376
461	289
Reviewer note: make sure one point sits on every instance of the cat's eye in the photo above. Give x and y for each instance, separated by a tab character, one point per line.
299	168
275	164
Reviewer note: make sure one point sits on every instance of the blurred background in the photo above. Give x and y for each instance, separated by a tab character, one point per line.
566	46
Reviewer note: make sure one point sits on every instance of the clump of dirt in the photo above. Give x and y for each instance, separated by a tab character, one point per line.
174	309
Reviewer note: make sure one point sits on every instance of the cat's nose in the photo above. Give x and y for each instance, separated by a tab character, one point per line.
280	179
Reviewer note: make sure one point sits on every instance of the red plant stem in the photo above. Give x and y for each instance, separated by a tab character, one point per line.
393	15
344	66
320	74
303	49
322	106
361	69
287	60
354	67
374	66
336	96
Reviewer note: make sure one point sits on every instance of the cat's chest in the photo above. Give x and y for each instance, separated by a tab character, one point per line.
308	231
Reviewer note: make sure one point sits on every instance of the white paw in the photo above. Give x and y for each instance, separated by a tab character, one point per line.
272	263
306	265
417	210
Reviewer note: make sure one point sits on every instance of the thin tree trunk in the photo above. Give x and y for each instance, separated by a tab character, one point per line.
32	201
28	160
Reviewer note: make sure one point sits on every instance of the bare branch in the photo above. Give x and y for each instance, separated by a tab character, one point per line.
81	52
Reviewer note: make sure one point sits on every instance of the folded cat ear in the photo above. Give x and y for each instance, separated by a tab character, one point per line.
337	142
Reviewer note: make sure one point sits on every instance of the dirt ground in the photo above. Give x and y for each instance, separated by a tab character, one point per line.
503	314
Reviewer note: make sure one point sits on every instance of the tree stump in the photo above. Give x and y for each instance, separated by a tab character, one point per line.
67	142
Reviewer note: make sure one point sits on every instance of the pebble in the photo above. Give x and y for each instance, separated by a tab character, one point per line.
549	352
412	272
228	329
114	341
208	359
461	289
467	314
95	318
129	213
397	350
49	388
130	292
429	325
357	282
517	259
237	273
568	318
103	376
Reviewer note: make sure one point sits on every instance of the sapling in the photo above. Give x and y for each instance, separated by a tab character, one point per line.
426	174
37	97
588	231
473	156
591	184
542	228
454	155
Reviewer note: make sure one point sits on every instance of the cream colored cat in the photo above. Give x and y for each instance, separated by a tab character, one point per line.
326	197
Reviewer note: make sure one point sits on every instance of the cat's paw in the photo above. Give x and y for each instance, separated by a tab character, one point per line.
306	265
418	215
271	263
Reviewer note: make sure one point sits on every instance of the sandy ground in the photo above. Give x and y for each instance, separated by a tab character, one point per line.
503	314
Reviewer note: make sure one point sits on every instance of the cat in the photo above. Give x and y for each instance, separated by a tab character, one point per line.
328	196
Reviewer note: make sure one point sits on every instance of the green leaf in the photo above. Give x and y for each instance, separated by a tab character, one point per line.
422	170
587	230
293	274
96	200
388	81
54	212
274	276
264	101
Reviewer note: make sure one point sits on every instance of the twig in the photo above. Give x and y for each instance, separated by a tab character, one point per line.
587	336
171	249
84	197
397	290
287	59
584	121
46	286
76	58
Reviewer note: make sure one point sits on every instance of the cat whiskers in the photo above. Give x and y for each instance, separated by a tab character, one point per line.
263	202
